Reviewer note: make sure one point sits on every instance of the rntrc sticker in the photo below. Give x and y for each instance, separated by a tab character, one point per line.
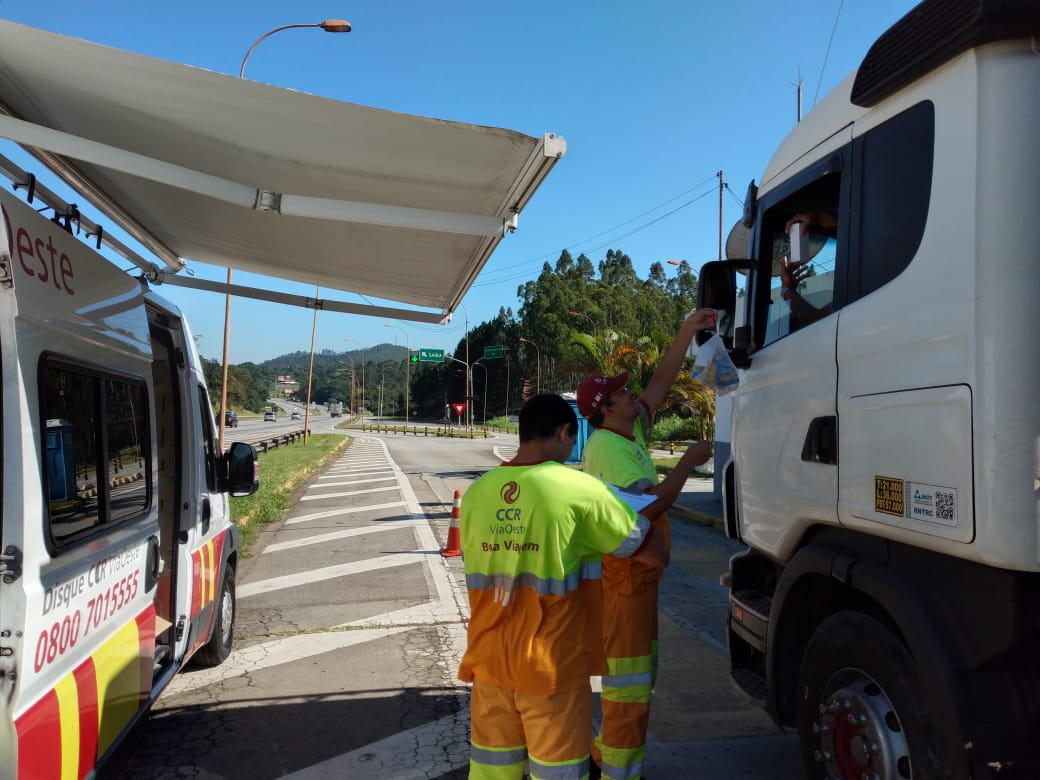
889	496
932	503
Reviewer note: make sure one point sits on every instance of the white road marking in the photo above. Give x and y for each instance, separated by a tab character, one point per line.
284	650
324	573
332	536
353	482
349	493
343	511
337	473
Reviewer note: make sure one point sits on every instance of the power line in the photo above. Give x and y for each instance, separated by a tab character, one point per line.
613	240
828	53
574	245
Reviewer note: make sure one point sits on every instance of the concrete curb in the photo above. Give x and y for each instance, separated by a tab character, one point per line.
689	515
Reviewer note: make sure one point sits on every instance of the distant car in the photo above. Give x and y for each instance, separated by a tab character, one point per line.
295	414
270	417
230	419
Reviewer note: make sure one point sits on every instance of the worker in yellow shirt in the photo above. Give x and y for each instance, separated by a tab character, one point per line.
617	454
532	533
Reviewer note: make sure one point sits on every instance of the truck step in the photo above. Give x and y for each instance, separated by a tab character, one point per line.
750	684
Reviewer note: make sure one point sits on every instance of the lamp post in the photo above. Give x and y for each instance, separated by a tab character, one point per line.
469	419
538	363
475	364
407	361
595	333
328	25
362	379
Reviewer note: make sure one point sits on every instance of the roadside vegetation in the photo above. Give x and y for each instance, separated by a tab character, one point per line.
578	316
282	470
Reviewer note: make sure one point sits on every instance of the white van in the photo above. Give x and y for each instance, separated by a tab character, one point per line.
119	555
885	461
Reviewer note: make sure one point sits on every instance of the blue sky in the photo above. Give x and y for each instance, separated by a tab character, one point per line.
653	99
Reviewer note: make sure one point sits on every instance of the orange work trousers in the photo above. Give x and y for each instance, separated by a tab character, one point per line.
508	728
630	638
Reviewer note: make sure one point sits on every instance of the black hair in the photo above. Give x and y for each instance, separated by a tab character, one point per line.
596	420
543	414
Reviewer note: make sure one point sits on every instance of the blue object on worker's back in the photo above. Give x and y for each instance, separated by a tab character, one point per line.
584	429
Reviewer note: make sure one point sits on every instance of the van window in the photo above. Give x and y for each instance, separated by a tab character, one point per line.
96	450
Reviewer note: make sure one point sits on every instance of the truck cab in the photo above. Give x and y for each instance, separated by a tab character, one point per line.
884	465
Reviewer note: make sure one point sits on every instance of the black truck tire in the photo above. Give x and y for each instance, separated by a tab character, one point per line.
861	708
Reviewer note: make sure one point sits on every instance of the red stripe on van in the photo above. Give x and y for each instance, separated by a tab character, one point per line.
39	740
86	691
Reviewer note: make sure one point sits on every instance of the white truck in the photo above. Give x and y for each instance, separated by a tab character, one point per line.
119	554
885	464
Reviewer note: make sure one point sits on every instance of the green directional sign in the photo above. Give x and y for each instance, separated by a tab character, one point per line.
493	352
431	355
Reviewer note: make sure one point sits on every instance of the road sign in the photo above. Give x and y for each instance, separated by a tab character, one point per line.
493	352
431	355
459	408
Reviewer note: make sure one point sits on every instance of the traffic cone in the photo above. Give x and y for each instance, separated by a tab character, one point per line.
454	547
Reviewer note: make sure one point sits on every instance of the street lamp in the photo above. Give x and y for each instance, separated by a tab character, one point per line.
478	363
362	379
328	25
592	322
406	364
538	363
680	263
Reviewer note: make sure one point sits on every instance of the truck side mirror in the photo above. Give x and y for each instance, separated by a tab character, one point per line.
242	468
717	289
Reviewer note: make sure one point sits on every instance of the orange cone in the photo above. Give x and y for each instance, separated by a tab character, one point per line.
454	547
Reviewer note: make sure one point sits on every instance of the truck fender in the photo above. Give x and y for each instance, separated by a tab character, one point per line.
861	581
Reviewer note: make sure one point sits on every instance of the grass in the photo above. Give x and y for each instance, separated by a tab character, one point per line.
664	467
282	470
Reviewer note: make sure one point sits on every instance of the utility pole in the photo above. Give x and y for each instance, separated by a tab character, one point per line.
722	184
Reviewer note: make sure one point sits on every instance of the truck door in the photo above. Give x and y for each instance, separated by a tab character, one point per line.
784	412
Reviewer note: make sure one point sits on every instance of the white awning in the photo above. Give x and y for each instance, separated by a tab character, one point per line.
203	166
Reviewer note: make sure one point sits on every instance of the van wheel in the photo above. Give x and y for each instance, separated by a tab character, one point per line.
861	710
218	648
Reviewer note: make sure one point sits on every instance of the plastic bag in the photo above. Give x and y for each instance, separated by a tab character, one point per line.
714	368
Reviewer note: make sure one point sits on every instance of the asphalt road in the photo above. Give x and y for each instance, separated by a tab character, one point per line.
350	627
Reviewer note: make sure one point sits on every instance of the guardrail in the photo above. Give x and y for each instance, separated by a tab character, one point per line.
265	443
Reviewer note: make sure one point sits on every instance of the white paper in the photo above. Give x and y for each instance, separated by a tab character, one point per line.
638	501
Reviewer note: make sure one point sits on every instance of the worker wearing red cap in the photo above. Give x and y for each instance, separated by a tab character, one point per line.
617	454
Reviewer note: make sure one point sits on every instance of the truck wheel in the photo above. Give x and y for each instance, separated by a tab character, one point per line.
861	710
218	648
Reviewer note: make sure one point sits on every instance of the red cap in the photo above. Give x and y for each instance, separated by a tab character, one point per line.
594	391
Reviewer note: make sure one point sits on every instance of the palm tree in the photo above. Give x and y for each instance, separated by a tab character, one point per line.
613	353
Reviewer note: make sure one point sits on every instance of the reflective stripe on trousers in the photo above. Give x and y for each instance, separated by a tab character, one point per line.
510	728
630	626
